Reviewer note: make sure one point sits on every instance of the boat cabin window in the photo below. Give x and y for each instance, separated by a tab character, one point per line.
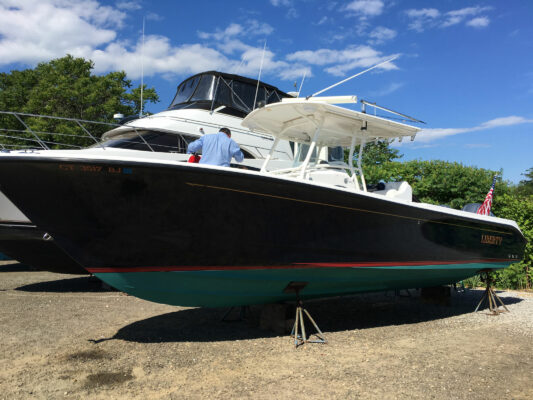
335	154
301	153
204	90
159	141
185	90
243	96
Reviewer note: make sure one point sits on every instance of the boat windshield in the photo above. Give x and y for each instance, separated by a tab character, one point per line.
301	153
335	154
165	142
194	89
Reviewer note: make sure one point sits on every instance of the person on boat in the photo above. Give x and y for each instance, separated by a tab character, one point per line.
217	148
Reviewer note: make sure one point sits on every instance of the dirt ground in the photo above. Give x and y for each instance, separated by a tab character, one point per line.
64	336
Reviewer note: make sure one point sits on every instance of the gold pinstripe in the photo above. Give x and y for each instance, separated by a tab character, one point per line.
343	207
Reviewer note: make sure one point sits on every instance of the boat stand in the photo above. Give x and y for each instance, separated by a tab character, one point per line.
490	296
298	329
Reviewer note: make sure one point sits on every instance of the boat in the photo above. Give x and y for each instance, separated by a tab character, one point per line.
199	235
203	104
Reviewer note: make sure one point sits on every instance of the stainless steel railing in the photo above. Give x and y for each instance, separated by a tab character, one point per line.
20	131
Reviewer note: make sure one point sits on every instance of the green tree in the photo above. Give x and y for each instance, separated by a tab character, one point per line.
439	182
133	99
66	87
374	153
519	209
525	187
15	88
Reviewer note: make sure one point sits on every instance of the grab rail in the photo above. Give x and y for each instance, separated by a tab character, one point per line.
30	137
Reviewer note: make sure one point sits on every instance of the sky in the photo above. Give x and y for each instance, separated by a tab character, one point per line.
464	67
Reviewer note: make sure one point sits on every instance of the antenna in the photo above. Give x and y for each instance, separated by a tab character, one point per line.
142	74
260	69
353	76
301	84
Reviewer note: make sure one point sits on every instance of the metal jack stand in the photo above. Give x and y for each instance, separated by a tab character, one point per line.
299	323
490	295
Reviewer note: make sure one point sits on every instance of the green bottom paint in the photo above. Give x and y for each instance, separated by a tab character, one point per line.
259	286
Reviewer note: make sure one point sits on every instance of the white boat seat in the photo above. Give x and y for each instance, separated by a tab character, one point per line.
397	190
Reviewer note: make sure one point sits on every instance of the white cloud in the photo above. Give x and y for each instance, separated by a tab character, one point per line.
394	86
291	12
365	8
230	31
381	34
53	28
277	3
160	57
129	5
423	13
342	61
429	135
504	121
422	19
479	22
233	30
457	16
154	17
323	20
230	41
255	27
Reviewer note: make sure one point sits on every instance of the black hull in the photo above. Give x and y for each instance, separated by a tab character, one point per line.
115	215
24	242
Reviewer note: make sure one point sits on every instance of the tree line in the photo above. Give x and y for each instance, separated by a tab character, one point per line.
66	87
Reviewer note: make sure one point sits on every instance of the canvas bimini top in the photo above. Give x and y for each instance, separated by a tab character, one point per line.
299	120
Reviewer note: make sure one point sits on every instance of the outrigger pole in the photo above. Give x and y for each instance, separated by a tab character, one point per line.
142	75
353	76
301	84
259	77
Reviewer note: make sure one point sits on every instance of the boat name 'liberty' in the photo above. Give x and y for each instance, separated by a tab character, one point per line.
491	239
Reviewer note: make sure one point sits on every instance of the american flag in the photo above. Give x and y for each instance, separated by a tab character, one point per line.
484	209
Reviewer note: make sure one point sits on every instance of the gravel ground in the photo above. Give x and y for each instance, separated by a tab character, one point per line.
64	336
